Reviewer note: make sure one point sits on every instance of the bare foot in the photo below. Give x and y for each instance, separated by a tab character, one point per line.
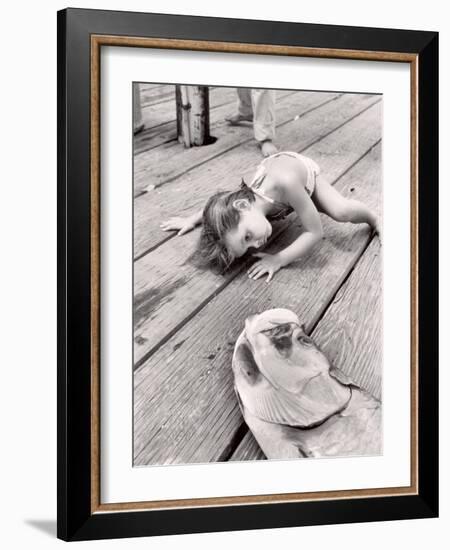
268	148
235	120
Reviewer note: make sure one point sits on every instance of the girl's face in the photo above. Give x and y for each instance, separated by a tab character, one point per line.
253	231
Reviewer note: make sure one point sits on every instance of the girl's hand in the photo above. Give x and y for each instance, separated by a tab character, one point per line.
267	264
182	225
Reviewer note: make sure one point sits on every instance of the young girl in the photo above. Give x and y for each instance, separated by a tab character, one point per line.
235	221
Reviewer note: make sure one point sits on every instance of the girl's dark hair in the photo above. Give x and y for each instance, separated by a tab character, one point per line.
219	216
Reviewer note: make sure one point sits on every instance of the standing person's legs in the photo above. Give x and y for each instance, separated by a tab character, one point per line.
138	123
244	107
263	103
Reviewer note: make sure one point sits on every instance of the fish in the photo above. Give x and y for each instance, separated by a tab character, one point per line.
295	403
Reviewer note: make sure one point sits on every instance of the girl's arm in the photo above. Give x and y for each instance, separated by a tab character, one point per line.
182	224
301	202
298	198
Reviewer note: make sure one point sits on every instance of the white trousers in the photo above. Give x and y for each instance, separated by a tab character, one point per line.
261	104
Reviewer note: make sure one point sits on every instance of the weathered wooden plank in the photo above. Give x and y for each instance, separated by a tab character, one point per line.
168	289
156	93
158	106
149	86
225	172
155	136
185	409
349	333
248	449
158	166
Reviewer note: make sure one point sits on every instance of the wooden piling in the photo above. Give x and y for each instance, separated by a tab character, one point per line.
192	104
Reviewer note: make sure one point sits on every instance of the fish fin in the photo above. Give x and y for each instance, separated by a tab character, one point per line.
280	407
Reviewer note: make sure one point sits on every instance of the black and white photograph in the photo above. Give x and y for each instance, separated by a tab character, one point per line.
225	275
257	277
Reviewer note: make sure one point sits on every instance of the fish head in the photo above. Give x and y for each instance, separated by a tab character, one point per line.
284	353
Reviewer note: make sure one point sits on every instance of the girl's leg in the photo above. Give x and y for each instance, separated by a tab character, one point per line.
329	201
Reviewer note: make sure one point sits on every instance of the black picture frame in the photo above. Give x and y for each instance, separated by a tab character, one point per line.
79	517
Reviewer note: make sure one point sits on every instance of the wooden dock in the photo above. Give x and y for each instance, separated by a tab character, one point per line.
186	322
